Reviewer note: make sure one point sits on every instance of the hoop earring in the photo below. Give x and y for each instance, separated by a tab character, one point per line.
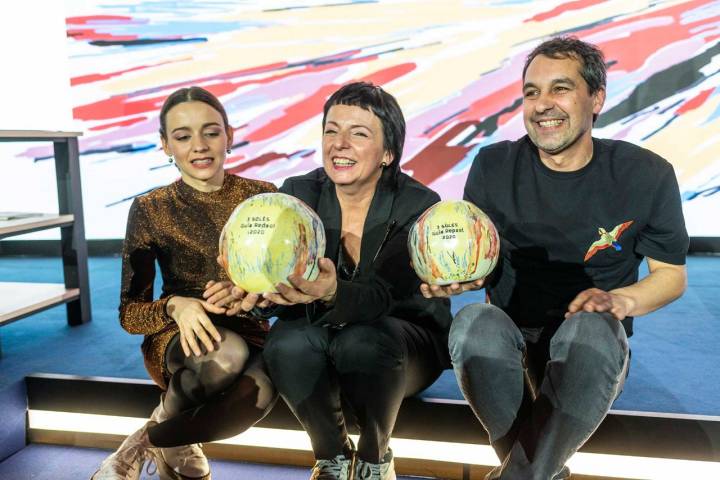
171	159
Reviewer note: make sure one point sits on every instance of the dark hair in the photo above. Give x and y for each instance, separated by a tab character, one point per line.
376	100
591	59
191	94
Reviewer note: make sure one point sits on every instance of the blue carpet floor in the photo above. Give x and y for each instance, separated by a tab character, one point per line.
50	462
675	364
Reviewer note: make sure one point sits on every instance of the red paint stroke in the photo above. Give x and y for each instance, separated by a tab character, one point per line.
386	75
486	106
90	34
312	105
263	159
95	77
94	18
644	43
276	66
565	7
492	103
294	114
121	123
116	106
507	116
121	105
632	51
437	158
695	102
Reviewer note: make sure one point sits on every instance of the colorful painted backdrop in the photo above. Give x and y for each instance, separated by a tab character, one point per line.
455	67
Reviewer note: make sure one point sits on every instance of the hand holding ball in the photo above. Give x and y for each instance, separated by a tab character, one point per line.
453	241
268	237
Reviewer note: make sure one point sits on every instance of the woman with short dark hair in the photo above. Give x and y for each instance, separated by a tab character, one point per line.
361	335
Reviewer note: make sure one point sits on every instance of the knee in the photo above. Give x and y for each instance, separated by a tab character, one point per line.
220	368
232	352
595	328
367	348
266	393
288	350
482	330
592	332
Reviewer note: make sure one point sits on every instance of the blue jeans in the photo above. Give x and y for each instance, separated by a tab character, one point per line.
580	369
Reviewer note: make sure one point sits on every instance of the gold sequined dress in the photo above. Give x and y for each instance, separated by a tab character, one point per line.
179	227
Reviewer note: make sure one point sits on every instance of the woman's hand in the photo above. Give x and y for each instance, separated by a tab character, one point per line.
233	298
194	324
300	290
219	293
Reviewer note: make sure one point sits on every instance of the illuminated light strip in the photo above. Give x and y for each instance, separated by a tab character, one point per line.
613	466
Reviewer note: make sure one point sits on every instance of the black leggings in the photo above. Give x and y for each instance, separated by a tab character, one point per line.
367	367
214	396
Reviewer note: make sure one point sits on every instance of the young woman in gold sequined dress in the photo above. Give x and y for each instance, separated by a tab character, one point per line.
208	362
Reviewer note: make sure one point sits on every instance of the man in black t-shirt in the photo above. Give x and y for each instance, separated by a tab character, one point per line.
542	363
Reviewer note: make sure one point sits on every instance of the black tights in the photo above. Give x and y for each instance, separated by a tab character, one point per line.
371	367
217	395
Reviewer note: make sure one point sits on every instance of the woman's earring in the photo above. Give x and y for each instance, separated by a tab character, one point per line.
228	151
383	164
171	159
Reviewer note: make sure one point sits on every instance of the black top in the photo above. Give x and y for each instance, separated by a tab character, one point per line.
552	245
384	283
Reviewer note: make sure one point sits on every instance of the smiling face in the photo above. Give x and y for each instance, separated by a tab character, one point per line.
558	108
198	139
353	148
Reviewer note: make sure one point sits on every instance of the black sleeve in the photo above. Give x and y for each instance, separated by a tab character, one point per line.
370	297
391	281
664	237
474	185
286	187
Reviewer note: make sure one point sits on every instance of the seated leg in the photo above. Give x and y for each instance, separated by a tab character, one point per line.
297	360
487	352
378	365
586	371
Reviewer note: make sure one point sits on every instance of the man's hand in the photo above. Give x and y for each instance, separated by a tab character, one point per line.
444	291
596	300
300	290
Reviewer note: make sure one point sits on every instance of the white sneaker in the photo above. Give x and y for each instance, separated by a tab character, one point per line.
337	468
185	462
127	461
376	471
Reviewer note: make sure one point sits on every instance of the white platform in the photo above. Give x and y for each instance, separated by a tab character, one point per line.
18	299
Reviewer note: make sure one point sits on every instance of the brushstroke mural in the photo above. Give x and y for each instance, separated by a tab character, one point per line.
455	67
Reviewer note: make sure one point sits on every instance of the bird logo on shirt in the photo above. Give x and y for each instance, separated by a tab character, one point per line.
608	239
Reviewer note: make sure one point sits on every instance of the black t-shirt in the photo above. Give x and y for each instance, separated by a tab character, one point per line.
564	232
